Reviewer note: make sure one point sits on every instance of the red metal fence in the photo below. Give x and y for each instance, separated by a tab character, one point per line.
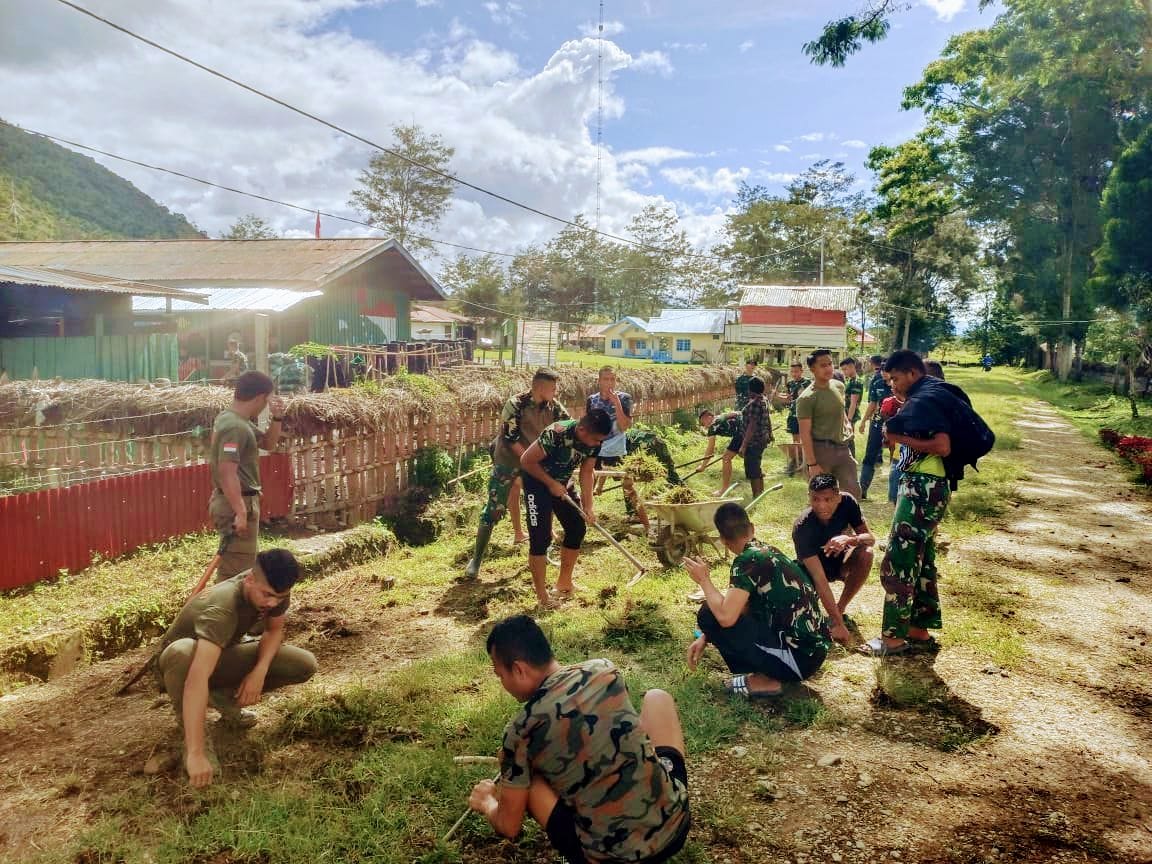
42	533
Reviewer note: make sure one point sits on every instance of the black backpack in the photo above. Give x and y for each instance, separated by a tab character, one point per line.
971	437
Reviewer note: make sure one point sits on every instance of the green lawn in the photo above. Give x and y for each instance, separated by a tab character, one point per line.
363	772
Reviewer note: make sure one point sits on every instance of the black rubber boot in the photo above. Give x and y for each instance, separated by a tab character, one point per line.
483	536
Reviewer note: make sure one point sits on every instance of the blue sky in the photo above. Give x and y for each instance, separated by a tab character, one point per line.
698	97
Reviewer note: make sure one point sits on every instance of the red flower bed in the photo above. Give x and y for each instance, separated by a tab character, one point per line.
1135	448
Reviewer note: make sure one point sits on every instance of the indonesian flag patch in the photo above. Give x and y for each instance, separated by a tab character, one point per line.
230	449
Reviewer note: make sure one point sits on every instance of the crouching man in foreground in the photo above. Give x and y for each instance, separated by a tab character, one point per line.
608	785
203	658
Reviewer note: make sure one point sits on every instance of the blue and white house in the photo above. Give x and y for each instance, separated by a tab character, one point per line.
627	337
689	335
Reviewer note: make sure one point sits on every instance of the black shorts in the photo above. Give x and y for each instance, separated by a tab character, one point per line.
603	462
735	443
752	467
792	424
539	505
561	825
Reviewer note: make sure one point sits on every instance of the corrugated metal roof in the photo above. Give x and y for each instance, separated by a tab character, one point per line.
840	298
639	323
424	314
193	260
73	281
691	321
253	299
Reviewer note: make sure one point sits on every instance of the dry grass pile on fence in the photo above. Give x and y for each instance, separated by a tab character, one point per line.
378	405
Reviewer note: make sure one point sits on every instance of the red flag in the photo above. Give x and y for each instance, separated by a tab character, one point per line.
317	224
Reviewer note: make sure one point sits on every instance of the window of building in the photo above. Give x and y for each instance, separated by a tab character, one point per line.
617	343
683	344
641	344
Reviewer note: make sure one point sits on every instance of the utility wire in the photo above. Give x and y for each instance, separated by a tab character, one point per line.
357	137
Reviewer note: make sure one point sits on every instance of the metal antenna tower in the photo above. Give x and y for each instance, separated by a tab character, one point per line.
599	106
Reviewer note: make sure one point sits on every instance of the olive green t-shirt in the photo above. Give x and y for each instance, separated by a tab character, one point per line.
220	614
234	440
825	408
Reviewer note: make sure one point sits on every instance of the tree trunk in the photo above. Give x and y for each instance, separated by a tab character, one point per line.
907	325
1078	362
1117	379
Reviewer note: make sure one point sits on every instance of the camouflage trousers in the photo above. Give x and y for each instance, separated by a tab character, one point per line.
908	571
498	486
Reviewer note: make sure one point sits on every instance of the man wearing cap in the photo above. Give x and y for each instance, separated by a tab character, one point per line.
878	391
204	658
234	461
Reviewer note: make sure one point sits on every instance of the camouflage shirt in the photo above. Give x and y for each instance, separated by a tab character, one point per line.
756	418
741	386
780	595
580	733
878	391
795	388
727	425
563	452
522	421
853	386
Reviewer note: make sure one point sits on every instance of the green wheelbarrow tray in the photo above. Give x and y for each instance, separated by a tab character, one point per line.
683	528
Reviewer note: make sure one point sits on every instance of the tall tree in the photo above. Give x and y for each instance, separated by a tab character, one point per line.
479	288
250	227
399	195
1030	114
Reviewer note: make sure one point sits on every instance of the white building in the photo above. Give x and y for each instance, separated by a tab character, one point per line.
689	335
627	337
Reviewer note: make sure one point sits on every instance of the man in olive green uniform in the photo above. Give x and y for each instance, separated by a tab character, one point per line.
203	658
820	414
524	417
234	460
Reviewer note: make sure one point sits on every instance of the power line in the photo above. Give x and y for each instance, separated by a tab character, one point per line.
357	137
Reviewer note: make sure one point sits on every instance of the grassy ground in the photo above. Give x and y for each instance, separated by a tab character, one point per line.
357	765
1090	407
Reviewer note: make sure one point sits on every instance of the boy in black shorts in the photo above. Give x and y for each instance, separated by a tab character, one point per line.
728	425
757	435
608	785
829	553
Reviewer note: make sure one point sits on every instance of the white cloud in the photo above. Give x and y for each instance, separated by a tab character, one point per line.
653	61
746	46
692	47
945	10
782	148
654	155
505	13
854	143
816	136
611	28
524	132
776	176
721	182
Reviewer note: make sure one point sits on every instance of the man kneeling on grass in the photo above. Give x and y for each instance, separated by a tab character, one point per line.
829	553
204	658
767	625
608	785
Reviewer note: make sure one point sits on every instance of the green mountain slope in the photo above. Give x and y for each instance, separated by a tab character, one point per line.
48	192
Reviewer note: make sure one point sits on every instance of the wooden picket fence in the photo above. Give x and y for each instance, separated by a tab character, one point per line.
92	492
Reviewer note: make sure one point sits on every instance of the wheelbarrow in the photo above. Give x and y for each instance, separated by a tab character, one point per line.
682	529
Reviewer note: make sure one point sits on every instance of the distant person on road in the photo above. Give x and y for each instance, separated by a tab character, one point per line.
767	624
234	462
834	544
873	420
205	660
607	785
820	410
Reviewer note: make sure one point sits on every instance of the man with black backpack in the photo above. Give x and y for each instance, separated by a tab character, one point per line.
940	434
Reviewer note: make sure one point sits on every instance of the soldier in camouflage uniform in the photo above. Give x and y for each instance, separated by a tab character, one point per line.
548	466
607	784
728	425
768	625
524	417
741	384
795	385
908	571
853	396
637	439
